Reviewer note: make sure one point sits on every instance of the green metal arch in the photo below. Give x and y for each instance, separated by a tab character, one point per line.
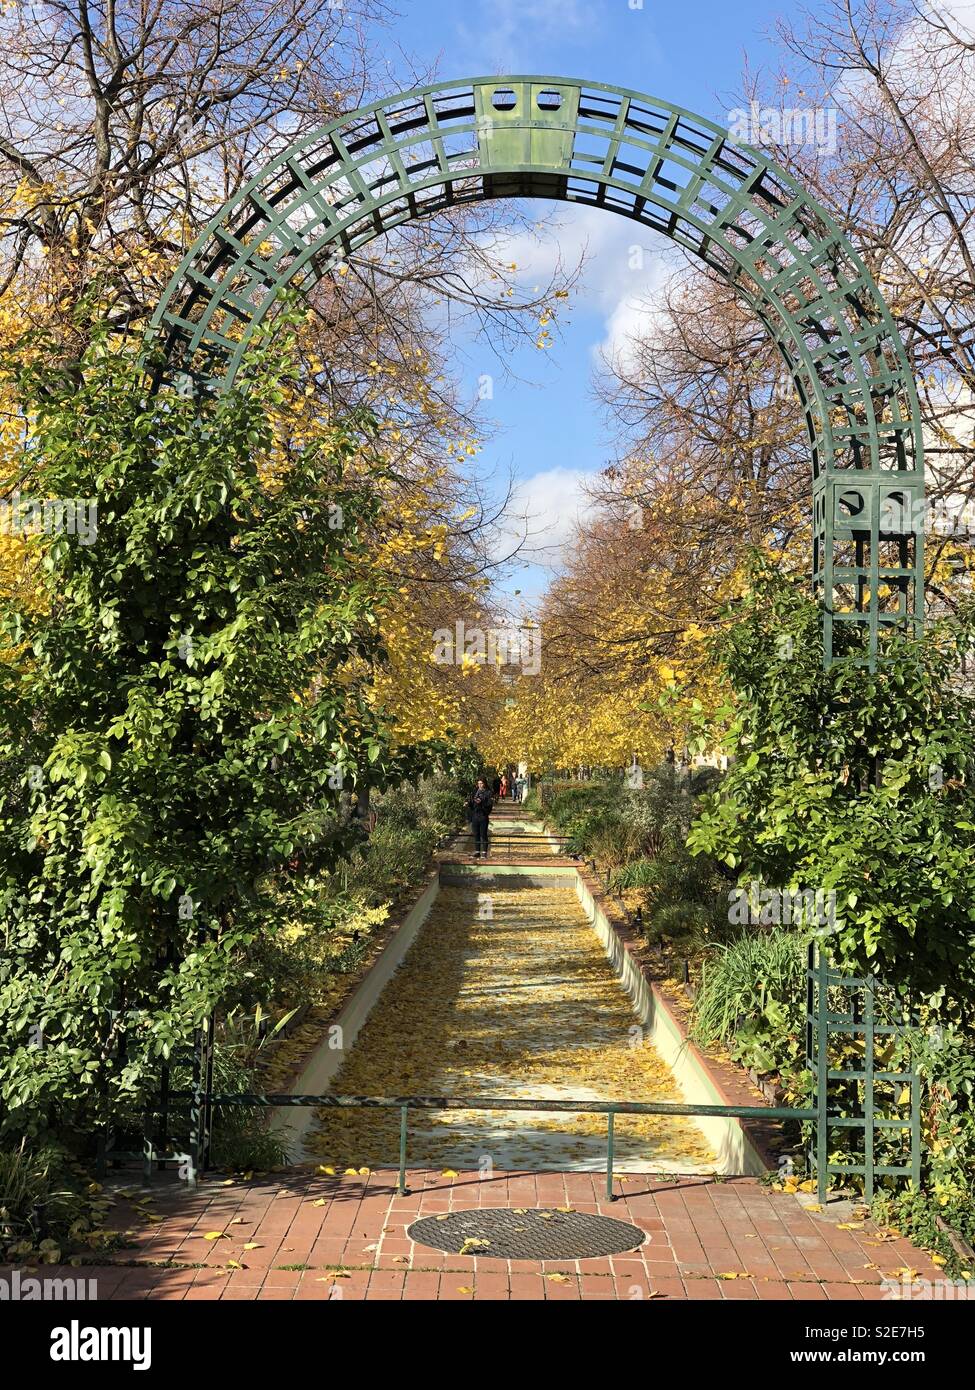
416	153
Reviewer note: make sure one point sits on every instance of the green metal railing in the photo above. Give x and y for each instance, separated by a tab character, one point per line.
530	844
407	1103
847	1019
845	1097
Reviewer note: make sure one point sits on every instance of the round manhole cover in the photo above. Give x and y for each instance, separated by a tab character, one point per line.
537	1233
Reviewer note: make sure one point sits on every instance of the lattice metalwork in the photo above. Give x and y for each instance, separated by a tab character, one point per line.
858	1052
410	155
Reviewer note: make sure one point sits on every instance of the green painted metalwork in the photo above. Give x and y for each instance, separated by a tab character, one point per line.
416	153
610	1147
332	1101
404	1119
835	1089
841	1016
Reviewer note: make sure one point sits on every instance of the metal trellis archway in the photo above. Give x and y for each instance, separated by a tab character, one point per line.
419	152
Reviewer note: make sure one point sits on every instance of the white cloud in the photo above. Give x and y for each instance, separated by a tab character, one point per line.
626	267
543	514
503	30
540	521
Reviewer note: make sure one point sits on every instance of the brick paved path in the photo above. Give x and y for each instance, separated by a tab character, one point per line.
307	1227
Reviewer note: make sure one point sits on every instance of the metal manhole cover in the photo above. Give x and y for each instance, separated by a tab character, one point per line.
537	1233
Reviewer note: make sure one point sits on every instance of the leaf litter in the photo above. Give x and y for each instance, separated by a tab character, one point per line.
517	1001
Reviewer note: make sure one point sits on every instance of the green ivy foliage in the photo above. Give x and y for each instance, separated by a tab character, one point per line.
852	781
172	716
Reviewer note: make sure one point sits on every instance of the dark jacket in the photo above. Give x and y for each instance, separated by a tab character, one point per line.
482	803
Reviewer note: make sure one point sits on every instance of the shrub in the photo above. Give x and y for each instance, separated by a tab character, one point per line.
916	1215
638	873
44	1202
752	1000
944	1054
155	763
853	782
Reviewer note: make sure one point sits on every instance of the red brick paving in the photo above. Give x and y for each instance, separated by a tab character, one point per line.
307	1226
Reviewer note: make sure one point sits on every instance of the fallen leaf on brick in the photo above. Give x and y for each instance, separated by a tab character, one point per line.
472	1244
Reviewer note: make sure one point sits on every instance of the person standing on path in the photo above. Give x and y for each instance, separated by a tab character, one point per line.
469	812
504	785
481	805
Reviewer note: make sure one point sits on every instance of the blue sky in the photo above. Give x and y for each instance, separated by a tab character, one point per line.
548	429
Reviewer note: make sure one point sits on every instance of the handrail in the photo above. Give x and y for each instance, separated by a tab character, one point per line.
609	1108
